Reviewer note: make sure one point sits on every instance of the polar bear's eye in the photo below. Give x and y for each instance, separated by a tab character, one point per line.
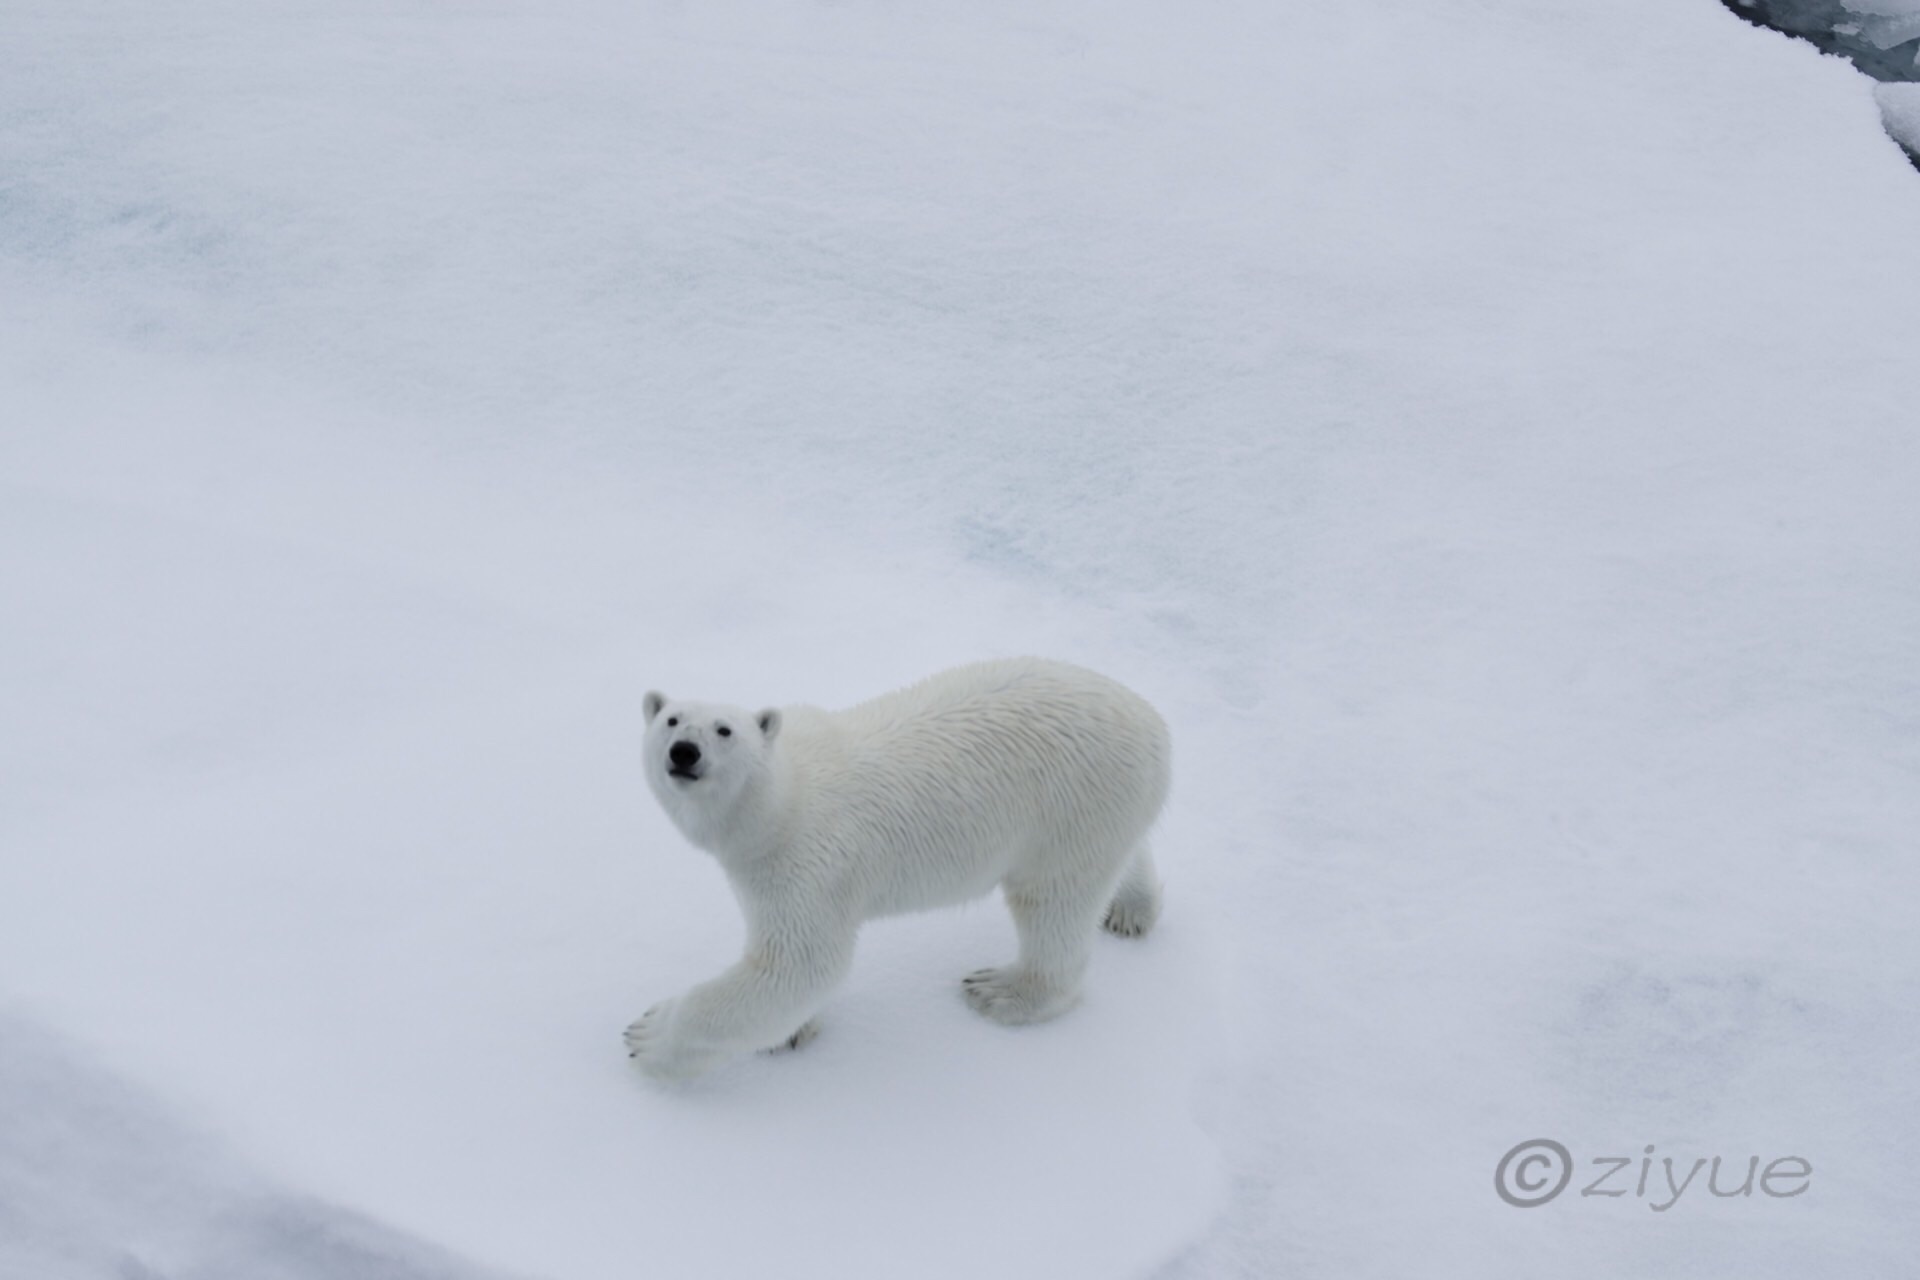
725	732
673	721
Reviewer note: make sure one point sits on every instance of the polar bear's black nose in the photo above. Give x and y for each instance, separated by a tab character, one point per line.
684	755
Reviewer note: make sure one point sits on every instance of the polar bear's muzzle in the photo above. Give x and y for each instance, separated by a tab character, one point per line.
683	761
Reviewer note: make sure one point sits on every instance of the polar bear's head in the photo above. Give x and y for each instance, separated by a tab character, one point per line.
703	758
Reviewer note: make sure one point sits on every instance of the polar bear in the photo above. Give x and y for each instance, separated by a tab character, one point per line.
1036	776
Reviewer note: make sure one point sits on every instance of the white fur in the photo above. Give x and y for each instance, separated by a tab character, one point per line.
1036	776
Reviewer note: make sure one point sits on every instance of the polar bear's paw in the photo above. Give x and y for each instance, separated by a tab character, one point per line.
657	1052
646	1032
1130	917
799	1039
1013	997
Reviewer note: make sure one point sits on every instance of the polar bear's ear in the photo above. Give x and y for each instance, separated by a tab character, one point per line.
651	704
769	722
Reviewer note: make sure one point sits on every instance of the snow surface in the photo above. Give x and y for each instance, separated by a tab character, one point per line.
1485	431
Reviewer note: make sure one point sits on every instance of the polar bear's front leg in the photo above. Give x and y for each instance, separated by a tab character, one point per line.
756	1004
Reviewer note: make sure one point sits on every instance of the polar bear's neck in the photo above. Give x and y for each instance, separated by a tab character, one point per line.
742	833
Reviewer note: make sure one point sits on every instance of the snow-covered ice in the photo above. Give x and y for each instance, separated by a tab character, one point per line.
1900	112
1485	432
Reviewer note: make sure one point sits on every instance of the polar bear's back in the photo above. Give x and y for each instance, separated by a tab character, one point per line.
951	781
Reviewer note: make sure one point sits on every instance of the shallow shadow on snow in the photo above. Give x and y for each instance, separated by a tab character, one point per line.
97	1180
